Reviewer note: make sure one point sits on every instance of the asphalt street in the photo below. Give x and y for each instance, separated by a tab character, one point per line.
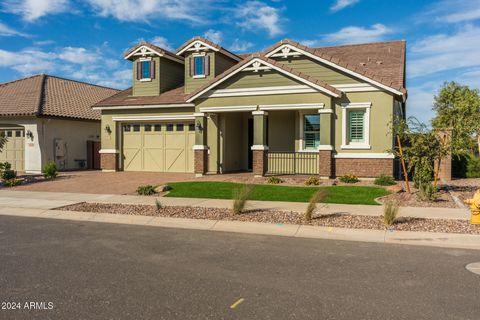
87	270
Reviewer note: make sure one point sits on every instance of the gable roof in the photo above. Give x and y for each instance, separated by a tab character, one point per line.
44	95
155	49
309	80
208	43
380	63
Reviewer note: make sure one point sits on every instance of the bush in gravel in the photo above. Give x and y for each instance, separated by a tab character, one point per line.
4	166
384	180
11	182
147	190
390	212
274	180
240	197
312	205
473	167
158	204
427	192
349	178
50	170
312	181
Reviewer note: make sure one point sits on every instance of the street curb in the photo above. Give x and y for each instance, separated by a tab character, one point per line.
443	240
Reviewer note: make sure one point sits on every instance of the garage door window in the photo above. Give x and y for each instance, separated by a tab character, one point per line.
191	127
148	127
157	127
170	127
9	134
180	127
136	127
18	133
126	128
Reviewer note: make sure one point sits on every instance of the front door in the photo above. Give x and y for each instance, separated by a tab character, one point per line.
250	144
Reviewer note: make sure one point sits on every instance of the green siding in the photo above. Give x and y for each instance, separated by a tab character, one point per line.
171	76
316	69
146	88
192	84
257	79
222	63
281	130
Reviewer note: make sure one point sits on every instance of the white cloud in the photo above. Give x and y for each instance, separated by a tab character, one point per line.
214	35
31	10
145	10
256	15
162	42
6	31
442	52
240	46
33	61
355	34
77	55
452	11
342	4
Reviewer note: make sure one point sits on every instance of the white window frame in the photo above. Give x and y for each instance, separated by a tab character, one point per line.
301	146
199	76
346	107
145	79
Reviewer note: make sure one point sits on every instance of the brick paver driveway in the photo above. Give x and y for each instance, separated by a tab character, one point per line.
104	182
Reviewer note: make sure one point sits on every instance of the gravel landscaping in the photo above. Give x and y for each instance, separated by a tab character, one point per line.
331	220
406	199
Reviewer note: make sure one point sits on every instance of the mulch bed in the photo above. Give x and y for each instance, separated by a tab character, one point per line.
330	220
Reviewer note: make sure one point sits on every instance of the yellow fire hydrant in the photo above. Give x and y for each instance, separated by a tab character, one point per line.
474	204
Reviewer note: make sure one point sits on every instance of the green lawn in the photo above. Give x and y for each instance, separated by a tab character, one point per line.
224	190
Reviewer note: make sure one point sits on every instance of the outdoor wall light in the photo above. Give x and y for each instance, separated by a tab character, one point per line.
107	129
29	134
199	126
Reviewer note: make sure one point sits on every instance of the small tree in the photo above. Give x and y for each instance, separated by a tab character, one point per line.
3	140
421	148
458	107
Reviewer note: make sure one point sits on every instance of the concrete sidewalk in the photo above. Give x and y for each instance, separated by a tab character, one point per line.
50	200
445	240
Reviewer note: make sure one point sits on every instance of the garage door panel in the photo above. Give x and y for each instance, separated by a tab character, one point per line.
153	141
13	151
175	160
132	159
153	159
175	141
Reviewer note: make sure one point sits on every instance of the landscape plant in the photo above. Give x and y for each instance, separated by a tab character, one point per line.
274	180
390	212
240	197
384	180
349	178
427	192
317	197
50	170
9	177
158	204
473	167
3	140
4	166
146	190
312	181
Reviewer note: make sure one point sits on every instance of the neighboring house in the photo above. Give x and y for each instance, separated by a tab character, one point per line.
288	110
46	118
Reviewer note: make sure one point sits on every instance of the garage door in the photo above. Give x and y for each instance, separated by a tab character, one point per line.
13	151
161	147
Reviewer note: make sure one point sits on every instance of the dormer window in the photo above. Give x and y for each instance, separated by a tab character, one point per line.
145	69
199	66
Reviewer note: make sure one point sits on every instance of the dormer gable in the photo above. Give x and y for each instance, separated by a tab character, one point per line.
155	70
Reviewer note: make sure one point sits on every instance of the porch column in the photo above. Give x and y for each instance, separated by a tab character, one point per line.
326	162
259	148
200	148
111	132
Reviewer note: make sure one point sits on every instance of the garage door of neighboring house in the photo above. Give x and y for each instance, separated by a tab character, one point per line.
13	151
161	147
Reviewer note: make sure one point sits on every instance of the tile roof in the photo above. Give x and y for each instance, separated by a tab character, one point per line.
125	98
308	78
44	95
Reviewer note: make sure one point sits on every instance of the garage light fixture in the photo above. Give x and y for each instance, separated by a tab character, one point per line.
107	129
199	126
29	135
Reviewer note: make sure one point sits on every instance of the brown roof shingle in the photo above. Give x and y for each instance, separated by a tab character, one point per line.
125	98
44	95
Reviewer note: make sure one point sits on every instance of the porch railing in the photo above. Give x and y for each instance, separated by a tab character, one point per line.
292	162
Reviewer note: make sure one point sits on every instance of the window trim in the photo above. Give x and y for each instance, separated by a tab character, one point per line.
199	76
346	107
146	79
301	147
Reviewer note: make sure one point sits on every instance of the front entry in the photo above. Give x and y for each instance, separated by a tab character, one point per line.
160	147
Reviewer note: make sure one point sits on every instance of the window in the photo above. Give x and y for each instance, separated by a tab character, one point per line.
199	65
148	127
180	127
311	131
18	133
127	128
136	127
9	134
170	127
157	127
191	127
145	65
356	126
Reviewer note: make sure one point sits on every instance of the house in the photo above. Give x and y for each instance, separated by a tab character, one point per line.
47	118
290	109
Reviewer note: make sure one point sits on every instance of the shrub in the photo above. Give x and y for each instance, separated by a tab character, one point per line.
349	178
50	170
147	190
473	167
11	182
240	197
384	180
312	181
312	205
8	174
274	180
427	192
5	166
390	212
158	204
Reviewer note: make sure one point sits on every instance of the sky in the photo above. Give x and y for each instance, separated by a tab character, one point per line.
85	40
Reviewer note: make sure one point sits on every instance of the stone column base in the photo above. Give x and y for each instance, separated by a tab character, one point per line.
200	165
325	163
260	163
109	161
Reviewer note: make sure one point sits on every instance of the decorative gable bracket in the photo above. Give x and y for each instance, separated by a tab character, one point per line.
285	51
256	66
144	51
197	46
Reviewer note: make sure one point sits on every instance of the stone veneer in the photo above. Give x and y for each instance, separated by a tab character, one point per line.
200	164
325	161
108	161
364	167
260	163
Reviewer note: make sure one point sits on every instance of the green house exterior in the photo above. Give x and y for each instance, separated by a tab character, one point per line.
288	110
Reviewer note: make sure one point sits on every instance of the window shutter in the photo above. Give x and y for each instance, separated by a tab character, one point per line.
191	66
207	65
139	70
357	126
152	69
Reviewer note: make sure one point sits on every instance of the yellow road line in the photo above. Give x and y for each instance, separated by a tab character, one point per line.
233	306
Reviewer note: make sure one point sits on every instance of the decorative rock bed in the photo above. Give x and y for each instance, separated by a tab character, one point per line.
330	220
